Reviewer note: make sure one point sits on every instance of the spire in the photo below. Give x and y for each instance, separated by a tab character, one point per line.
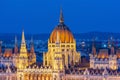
93	48
23	44
16	46
109	43
61	16
31	41
32	46
15	39
112	48
23	37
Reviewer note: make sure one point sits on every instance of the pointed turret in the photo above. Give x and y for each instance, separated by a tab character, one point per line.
93	49
23	62
23	44
23	37
109	44
16	46
61	17
32	53
112	49
15	40
32	46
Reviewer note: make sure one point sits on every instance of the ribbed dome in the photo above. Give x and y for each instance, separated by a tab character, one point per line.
61	32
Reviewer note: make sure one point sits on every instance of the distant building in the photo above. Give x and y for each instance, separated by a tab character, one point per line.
104	60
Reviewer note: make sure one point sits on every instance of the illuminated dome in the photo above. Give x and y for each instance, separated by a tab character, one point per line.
61	32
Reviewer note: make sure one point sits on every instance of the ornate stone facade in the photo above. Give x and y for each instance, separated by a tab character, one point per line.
61	54
106	58
61	47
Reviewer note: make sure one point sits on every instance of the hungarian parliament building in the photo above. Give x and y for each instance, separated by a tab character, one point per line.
59	62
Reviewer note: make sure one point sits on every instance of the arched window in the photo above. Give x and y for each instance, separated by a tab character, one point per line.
20	77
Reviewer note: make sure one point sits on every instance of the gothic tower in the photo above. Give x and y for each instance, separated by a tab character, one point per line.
16	46
15	55
23	56
93	49
32	55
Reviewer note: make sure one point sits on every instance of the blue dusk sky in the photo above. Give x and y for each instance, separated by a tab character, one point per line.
41	16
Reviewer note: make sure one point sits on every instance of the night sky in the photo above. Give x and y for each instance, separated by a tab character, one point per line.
41	16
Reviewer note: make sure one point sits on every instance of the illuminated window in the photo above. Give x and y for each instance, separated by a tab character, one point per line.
68	45
62	45
67	49
72	46
45	62
63	50
53	45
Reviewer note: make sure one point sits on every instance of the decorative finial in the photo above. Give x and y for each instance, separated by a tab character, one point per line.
93	47
15	40
61	16
16	46
31	40
23	37
112	47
